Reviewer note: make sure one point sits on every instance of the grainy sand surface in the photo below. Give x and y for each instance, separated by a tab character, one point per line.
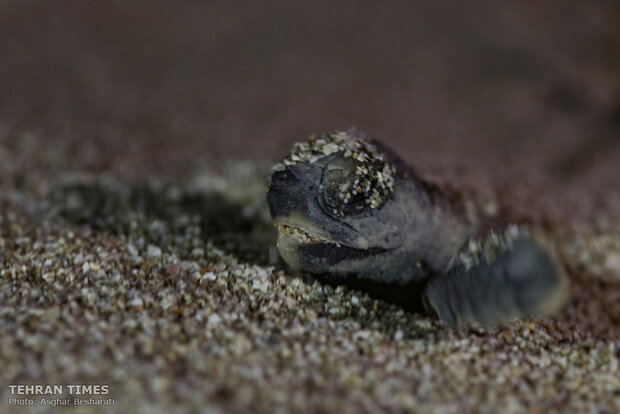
135	245
154	290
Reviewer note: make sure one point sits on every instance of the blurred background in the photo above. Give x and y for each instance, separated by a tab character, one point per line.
478	89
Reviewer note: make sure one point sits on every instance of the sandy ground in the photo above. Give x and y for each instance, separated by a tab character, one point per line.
135	245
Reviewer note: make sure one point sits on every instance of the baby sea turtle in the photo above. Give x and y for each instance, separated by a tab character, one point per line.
351	212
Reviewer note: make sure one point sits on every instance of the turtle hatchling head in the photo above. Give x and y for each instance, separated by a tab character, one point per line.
330	199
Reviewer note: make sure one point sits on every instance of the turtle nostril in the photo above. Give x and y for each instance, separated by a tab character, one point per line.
281	179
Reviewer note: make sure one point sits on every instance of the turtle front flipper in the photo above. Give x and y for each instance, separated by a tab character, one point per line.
506	277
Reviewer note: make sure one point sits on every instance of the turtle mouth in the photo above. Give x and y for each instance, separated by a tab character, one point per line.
301	236
306	246
297	229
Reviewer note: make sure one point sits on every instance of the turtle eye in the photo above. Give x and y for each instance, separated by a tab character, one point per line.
338	184
350	186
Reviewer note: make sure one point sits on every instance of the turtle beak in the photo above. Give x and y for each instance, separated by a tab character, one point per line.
289	191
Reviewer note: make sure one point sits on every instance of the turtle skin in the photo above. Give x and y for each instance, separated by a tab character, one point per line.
349	211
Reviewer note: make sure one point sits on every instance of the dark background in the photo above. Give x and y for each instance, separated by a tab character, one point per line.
481	93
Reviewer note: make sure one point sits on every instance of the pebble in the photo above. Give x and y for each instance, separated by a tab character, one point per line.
153	251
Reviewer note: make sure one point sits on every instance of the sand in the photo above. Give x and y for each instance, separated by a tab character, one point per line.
139	287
